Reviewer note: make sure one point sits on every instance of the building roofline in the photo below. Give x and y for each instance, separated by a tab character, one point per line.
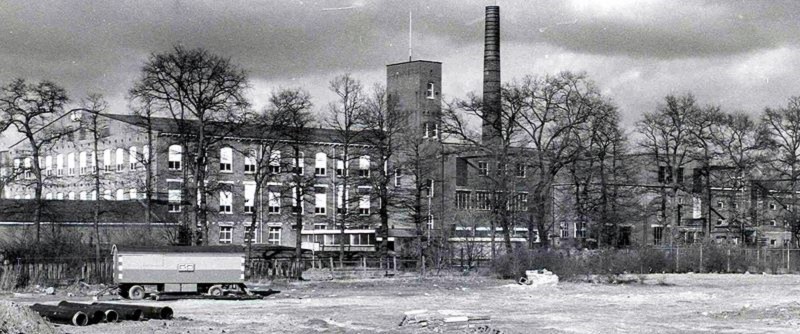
415	61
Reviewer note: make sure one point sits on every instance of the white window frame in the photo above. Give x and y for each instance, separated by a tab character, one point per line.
175	157
226	160
320	164
225	235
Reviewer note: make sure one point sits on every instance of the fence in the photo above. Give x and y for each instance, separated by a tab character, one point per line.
54	272
732	260
287	268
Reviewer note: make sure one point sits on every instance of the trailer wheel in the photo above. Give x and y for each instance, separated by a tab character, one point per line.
215	291
136	292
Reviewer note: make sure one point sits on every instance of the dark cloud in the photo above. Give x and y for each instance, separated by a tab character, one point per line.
98	46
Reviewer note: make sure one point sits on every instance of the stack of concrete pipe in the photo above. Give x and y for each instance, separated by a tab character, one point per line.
79	314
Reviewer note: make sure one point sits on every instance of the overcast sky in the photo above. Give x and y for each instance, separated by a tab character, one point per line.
742	55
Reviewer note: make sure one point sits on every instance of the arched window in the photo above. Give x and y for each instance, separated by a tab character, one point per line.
93	196
430	93
48	196
133	158
107	160
363	166
146	154
174	157
275	162
320	164
60	196
84	169
93	161
302	163
60	165
250	162
133	193
48	165
107	195
120	159
71	163
71	196
82	196
226	160
28	164
120	195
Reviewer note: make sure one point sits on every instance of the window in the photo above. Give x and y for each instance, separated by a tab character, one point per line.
174	157
71	164
340	166
71	196
146	154
773	223
295	208
342	196
226	160
132	158
320	164
48	165
434	130
275	162
398	174
250	162
564	230
274	201
519	203
299	164
82	196
28	162
60	165
107	161
363	205
362	239
250	233
720	205
482	200
120	195
93	161
133	193
520	170
249	197
93	195
225	202
320	200
483	168
462	199
174	200
274	236
120	159
59	196
225	234
501	168
107	195
430	93
426	130
84	169
430	185
772	206
363	166
579	230
48	196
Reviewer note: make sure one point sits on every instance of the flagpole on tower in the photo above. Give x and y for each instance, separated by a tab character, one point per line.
409	35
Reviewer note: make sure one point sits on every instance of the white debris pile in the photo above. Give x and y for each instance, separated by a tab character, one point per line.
541	277
15	318
446	321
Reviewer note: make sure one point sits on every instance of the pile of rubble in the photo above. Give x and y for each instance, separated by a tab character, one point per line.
15	318
447	321
541	277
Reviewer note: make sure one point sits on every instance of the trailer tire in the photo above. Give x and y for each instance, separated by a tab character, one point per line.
215	291
136	292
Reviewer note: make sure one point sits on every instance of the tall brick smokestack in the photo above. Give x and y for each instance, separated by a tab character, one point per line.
491	77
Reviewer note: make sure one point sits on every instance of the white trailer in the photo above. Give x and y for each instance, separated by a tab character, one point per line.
178	269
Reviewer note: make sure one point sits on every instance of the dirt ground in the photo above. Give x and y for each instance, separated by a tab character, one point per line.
690	303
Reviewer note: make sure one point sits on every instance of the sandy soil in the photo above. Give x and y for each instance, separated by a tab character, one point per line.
692	303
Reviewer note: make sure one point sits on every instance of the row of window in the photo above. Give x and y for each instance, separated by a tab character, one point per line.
483	169
273	236
119	195
85	160
274	201
482	201
226	163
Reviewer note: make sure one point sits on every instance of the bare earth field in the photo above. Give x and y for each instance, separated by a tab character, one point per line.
690	303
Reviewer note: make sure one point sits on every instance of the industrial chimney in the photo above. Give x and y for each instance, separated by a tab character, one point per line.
491	78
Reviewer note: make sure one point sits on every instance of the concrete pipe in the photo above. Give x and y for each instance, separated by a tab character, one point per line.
61	315
147	312
96	314
522	281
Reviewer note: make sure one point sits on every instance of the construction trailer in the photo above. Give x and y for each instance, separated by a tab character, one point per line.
211	270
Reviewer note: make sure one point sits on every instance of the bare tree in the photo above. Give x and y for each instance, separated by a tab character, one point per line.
93	107
667	136
384	125
783	129
292	110
343	118
34	110
205	95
